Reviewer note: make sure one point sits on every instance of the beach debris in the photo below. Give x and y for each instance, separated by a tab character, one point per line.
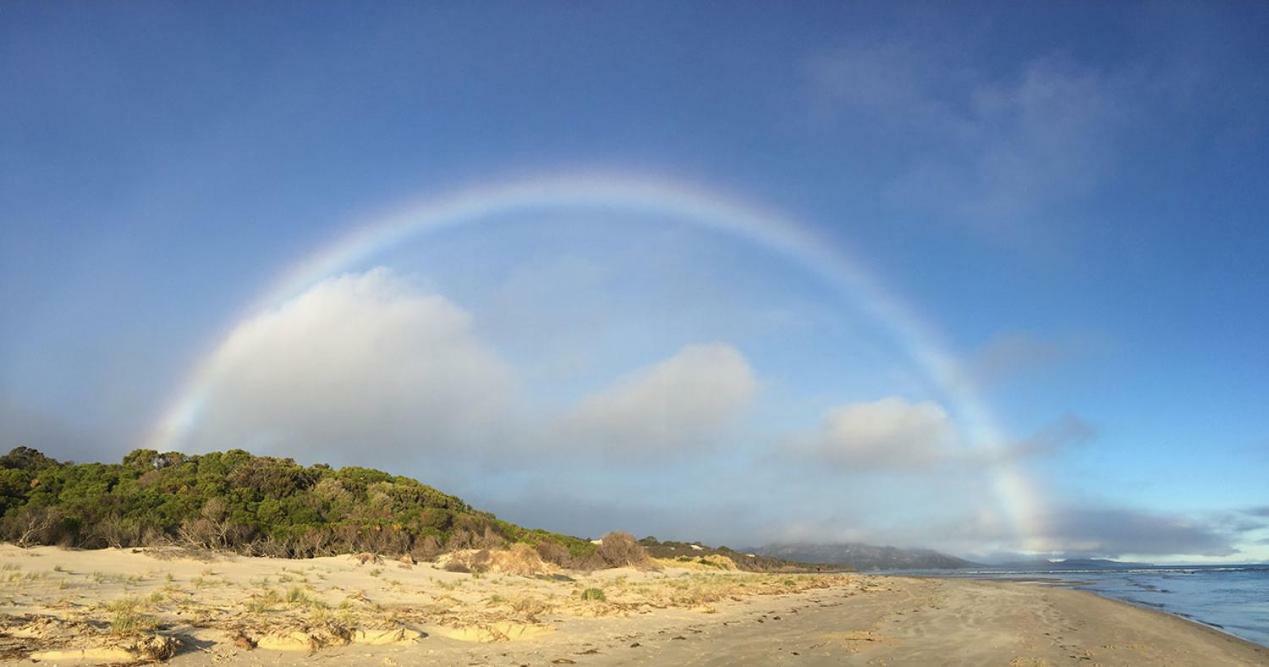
243	641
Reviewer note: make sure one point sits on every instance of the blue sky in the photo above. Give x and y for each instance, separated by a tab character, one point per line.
1071	196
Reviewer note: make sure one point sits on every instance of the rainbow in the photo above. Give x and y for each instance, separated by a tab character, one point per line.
701	207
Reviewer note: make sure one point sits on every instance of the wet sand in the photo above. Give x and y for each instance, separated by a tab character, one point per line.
60	606
934	622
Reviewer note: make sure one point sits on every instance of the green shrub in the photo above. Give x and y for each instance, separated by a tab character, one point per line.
233	500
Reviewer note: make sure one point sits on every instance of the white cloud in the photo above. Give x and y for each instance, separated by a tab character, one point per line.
993	151
891	433
894	433
677	403
1028	144
359	369
367	369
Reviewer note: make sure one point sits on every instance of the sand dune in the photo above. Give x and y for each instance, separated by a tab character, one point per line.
118	606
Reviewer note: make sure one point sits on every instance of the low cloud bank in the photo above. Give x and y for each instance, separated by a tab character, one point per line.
367	369
1112	532
898	435
680	402
1060	532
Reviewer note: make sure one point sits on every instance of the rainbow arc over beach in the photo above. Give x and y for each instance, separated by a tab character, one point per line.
638	193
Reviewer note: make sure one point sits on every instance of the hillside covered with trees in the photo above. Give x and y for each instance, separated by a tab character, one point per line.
256	505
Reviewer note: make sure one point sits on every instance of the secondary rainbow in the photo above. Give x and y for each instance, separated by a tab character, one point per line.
689	204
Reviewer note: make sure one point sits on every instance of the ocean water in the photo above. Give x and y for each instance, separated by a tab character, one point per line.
1234	599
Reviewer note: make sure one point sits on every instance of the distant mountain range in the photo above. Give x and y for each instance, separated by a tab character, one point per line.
864	557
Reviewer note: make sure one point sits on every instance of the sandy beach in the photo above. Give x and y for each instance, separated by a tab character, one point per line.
119	606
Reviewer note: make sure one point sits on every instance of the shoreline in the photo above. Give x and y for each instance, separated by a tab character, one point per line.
1085	586
101	607
1202	625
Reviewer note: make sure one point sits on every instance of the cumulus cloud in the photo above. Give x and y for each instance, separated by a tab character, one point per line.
359	369
891	433
677	403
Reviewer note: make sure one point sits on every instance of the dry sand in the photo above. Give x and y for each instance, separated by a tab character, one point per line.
119	606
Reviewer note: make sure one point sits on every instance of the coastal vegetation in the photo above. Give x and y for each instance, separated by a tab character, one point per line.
259	505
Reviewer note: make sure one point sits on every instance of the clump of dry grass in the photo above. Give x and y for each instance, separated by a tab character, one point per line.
260	603
204	582
128	617
171	552
297	596
15	575
530	607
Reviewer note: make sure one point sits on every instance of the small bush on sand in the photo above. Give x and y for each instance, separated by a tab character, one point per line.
127	617
260	603
596	594
620	549
554	553
297	596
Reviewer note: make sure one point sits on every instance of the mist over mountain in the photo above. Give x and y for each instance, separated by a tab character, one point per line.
1066	564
